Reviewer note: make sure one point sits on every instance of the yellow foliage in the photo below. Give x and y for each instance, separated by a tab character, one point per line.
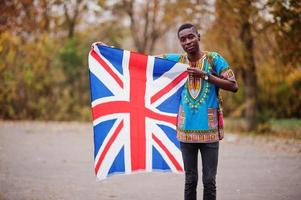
294	76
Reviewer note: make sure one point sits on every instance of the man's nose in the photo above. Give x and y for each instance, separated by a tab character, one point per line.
187	41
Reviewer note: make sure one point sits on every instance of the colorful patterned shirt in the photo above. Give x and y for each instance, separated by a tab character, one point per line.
200	117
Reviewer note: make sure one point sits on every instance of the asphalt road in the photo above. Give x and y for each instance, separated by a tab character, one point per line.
54	160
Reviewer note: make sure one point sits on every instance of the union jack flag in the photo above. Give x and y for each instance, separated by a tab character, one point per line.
135	100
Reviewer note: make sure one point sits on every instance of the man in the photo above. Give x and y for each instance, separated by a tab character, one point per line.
200	122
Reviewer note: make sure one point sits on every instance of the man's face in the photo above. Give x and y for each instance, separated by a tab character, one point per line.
189	40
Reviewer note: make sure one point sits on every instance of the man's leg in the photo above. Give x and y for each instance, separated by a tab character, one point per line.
190	159
209	152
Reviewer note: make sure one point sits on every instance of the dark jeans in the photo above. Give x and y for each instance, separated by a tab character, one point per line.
209	153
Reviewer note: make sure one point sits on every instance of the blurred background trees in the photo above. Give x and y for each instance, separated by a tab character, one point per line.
44	47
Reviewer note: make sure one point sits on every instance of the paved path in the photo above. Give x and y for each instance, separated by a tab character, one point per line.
55	161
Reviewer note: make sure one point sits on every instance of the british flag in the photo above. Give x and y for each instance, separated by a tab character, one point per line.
135	100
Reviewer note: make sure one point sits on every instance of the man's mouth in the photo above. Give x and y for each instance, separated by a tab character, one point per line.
190	48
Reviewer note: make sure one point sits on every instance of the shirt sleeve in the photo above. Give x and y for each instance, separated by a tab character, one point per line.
221	67
172	56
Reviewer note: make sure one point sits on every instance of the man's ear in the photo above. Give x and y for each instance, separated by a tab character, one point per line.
199	37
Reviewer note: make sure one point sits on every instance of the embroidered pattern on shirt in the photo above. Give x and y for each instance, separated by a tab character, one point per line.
200	136
228	74
195	84
212	118
197	88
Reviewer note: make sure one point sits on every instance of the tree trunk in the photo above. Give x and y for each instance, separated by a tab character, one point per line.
249	73
72	19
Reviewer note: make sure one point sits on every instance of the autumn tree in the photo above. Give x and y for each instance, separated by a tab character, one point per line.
26	17
252	35
72	13
286	22
150	20
232	33
44	46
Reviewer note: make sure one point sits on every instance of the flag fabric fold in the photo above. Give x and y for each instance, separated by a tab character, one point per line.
135	100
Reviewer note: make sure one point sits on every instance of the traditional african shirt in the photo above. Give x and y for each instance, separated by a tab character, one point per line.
200	118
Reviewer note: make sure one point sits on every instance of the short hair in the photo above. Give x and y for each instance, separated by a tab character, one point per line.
185	26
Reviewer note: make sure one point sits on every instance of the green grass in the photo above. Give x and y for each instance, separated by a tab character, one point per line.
290	124
286	128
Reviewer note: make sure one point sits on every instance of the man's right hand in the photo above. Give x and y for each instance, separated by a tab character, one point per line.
98	42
